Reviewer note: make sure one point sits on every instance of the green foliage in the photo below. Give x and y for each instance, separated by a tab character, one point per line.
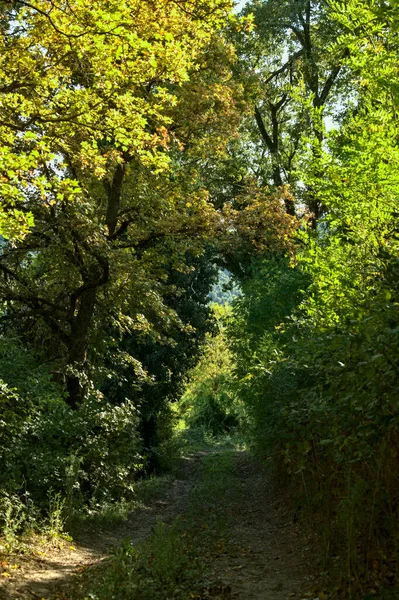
164	357
56	521
209	404
296	83
15	517
28	394
98	446
322	401
257	340
92	453
87	102
21	518
315	342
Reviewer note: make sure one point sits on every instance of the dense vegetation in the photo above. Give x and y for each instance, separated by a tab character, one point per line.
315	338
148	150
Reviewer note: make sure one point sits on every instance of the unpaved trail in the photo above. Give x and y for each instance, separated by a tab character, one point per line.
266	556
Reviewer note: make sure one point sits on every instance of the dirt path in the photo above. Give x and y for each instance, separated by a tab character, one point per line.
265	558
268	556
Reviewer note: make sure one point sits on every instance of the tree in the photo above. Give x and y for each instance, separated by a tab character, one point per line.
296	84
95	156
84	84
164	360
315	338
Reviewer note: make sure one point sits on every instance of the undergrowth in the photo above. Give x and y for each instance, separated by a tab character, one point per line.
23	527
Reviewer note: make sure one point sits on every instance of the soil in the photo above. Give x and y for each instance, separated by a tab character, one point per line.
267	557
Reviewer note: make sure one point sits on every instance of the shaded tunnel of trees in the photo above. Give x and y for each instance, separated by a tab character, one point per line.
158	158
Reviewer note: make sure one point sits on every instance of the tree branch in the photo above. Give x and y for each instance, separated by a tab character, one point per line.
288	64
262	129
114	198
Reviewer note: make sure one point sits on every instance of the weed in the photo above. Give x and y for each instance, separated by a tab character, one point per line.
15	518
55	527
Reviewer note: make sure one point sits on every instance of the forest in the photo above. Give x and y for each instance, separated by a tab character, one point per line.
199	288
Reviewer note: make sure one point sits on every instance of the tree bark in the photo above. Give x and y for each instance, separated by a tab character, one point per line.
78	346
83	302
114	199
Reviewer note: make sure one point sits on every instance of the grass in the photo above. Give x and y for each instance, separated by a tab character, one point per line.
109	514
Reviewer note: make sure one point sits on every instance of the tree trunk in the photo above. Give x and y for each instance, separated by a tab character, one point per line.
272	143
114	198
84	300
77	351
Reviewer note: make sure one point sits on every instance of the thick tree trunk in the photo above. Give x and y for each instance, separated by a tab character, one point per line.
77	351
84	300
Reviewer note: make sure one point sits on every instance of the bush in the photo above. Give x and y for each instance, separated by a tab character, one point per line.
92	452
322	395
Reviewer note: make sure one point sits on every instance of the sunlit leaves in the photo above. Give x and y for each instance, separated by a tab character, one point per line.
90	83
321	379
